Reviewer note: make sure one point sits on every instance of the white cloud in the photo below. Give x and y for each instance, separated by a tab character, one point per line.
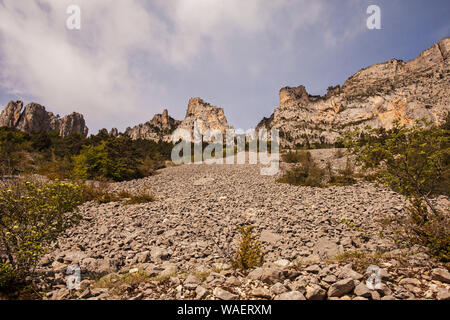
92	71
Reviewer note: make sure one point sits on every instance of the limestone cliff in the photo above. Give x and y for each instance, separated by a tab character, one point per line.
159	128
34	118
375	96
208	118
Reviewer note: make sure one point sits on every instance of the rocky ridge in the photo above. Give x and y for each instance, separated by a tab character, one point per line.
162	127
375	96
159	128
207	117
34	118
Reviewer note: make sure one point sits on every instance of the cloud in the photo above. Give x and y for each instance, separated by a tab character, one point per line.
117	68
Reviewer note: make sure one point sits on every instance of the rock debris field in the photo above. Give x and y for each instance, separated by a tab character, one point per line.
180	245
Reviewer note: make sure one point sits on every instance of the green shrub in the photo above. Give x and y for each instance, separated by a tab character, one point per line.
424	228
98	157
101	195
299	156
249	254
142	197
93	162
414	161
308	173
32	216
345	176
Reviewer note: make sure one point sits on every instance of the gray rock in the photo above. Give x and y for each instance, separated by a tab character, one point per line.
169	271
34	118
277	289
348	272
201	292
261	293
327	248
362	291
315	292
270	237
159	254
292	295
267	275
313	269
443	294
341	288
191	282
441	274
224	295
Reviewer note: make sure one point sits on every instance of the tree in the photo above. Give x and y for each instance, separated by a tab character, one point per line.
414	161
31	217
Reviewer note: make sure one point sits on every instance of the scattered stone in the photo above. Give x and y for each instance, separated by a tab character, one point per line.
278	289
261	293
282	263
201	292
342	287
441	274
313	269
348	272
292	295
315	292
362	291
224	295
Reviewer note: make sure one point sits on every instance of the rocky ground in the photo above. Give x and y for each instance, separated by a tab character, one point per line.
318	242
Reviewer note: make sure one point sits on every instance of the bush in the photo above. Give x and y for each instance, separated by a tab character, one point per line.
32	216
249	254
100	156
424	228
93	162
142	197
295	156
307	174
414	161
345	176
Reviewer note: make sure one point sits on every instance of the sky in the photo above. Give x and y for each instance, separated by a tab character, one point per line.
132	59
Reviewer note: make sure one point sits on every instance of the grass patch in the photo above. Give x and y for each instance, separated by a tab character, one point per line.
345	176
101	195
299	156
308	173
118	283
143	197
350	255
360	260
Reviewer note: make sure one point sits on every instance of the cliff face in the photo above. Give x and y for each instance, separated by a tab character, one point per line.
162	127
34	118
208	118
159	128
375	96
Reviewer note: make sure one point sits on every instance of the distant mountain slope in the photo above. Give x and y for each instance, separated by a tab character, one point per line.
375	96
34	118
161	127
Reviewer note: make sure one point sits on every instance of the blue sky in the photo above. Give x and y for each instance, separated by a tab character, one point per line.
133	58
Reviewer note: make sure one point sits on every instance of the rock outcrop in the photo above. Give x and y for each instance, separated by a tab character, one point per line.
159	128
208	118
163	127
375	96
34	118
